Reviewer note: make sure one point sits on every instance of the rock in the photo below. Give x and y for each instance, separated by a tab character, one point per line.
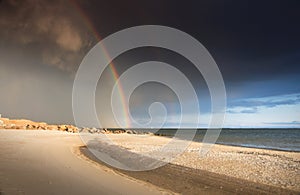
41	128
150	133
10	126
93	130
102	131
52	127
129	131
22	127
31	125
62	127
119	131
85	130
72	129
2	125
68	128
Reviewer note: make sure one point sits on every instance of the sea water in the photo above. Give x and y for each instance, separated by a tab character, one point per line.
273	139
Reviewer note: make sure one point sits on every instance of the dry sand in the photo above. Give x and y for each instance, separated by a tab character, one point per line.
45	162
39	162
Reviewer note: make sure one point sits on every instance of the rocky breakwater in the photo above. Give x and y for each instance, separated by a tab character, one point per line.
6	123
112	131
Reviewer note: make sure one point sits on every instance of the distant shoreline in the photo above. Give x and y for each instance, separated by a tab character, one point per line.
204	129
270	143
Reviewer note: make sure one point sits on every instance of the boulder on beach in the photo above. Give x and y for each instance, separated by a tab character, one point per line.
102	131
129	131
51	127
22	127
41	127
119	131
68	128
62	128
1	124
72	129
93	130
84	130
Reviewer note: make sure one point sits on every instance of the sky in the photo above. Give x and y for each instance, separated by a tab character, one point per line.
256	45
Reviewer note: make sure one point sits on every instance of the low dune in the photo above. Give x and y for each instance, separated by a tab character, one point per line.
24	124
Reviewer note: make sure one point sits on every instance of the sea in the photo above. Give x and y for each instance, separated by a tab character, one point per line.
272	139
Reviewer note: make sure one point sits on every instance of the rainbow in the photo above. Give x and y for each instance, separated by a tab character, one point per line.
112	67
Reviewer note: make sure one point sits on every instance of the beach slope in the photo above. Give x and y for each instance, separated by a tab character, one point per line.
46	162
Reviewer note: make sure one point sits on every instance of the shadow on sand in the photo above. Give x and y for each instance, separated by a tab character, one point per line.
177	178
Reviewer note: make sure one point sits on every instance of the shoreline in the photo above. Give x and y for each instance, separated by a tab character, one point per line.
192	181
262	148
243	146
225	170
278	169
25	124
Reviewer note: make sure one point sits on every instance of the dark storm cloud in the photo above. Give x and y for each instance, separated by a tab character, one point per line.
250	40
255	43
49	28
41	45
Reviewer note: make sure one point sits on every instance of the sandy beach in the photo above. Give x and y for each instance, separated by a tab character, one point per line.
47	162
229	168
53	162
